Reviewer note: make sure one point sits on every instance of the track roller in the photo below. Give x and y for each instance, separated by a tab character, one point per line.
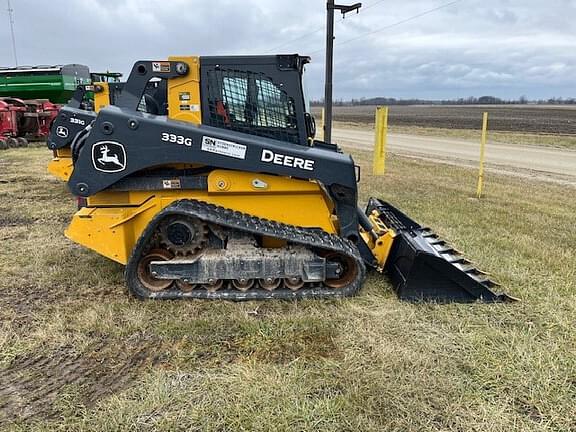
214	285
269	284
185	286
243	284
294	283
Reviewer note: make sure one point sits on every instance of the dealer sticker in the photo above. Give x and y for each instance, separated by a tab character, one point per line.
224	148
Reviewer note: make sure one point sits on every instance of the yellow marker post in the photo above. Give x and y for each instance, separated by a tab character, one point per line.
482	156
381	132
322	125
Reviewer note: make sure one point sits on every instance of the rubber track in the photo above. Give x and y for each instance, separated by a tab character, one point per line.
314	238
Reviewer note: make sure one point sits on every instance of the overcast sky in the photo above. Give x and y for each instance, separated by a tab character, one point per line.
505	48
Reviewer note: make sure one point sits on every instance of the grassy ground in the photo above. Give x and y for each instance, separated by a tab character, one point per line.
494	137
76	353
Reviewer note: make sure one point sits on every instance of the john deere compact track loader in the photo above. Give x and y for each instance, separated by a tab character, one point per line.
228	196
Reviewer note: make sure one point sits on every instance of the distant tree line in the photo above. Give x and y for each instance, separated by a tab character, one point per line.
482	100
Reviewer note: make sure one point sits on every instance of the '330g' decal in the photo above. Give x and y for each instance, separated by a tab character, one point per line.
176	139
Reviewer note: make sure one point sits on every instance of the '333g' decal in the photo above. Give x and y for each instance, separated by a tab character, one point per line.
176	139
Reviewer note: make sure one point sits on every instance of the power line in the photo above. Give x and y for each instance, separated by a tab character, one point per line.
11	17
413	17
319	29
365	8
296	39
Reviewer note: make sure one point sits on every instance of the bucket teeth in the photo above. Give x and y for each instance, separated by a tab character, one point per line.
443	248
466	268
455	258
483	279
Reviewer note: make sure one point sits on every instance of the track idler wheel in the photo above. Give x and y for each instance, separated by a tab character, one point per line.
348	271
143	272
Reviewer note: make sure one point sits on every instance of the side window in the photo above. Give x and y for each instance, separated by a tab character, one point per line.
235	95
275	108
251	103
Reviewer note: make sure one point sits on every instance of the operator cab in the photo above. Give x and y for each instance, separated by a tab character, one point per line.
257	95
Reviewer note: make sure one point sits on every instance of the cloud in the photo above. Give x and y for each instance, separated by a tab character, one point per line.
475	47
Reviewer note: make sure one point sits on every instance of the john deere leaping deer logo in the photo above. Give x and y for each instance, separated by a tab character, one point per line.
109	156
62	131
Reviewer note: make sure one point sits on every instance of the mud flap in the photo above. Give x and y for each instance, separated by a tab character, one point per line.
424	267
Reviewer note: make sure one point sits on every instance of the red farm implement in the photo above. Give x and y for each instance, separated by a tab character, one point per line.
23	120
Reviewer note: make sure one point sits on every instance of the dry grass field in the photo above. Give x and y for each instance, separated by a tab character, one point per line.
557	120
77	353
511	124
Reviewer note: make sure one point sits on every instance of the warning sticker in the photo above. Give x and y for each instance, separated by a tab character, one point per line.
186	107
171	184
160	66
224	148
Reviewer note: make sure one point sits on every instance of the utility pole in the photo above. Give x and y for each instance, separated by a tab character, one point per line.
11	16
330	8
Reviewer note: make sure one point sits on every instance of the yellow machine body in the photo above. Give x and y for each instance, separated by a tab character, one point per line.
113	221
184	93
61	165
379	240
101	95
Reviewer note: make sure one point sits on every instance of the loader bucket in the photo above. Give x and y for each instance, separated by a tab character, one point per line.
424	267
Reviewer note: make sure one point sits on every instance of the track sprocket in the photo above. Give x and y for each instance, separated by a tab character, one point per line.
183	236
